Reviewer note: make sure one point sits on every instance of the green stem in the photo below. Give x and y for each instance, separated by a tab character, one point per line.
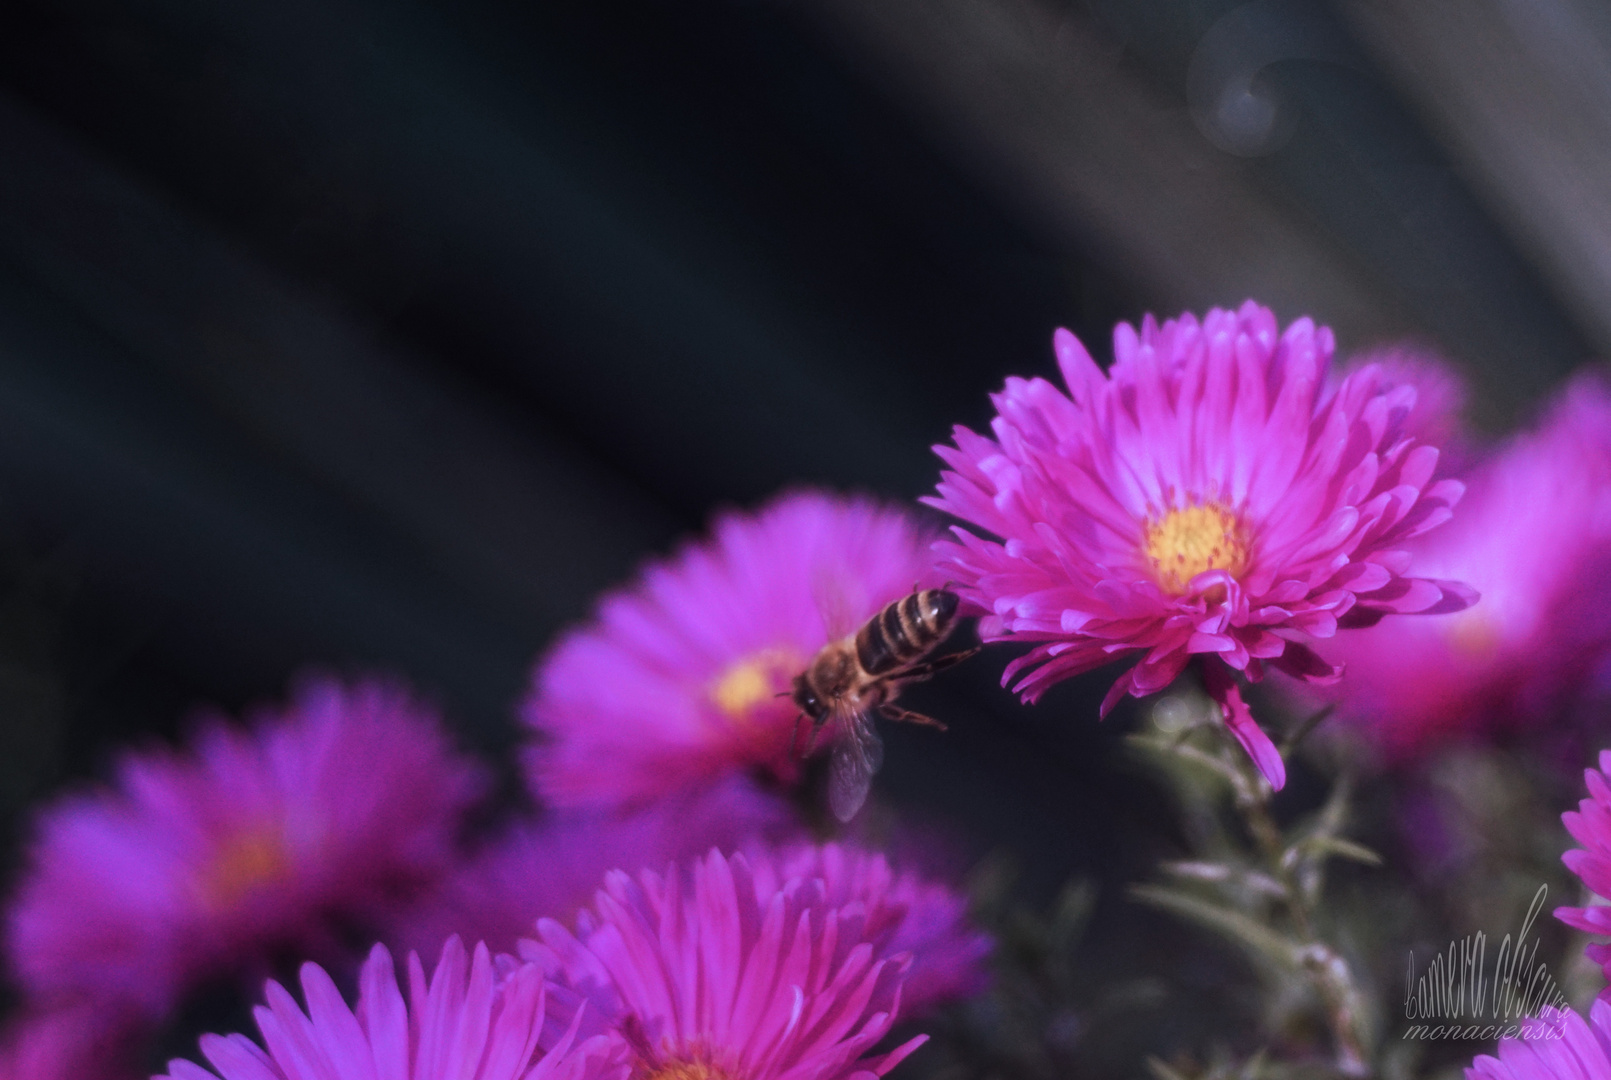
1328	971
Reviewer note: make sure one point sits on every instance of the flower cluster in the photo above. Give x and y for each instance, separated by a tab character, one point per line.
719	971
346	814
672	905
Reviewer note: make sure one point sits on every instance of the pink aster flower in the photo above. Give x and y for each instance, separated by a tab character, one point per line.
1209	497
905	914
552	869
474	1019
1534	536
200	861
1558	1045
700	977
1590	825
677	680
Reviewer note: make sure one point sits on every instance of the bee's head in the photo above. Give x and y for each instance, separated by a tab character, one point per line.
805	698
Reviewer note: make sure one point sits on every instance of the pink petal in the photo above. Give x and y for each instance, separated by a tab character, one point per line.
1222	688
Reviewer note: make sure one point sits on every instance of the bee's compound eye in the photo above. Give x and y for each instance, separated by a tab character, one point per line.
944	603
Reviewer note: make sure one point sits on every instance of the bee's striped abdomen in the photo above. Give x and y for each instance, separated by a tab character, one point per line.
906	631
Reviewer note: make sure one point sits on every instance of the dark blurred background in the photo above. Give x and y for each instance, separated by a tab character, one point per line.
383	336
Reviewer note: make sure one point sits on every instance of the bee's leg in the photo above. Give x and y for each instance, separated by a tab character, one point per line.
924	671
816	731
895	712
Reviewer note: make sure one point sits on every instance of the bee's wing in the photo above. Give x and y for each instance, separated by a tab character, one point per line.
857	754
840	602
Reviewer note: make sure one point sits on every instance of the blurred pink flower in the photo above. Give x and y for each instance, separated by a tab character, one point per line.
473	1020
677	680
201	861
700	976
1558	1045
905	914
552	869
1440	394
1208	497
1534	536
1590	825
78	1043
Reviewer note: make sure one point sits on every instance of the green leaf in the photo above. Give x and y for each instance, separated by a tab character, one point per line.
1189	754
1251	934
1227	874
1342	848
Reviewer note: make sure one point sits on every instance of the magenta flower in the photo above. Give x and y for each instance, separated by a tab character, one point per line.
699	977
1208	497
553	868
1534	535
1559	1045
677	680
904	914
1590	825
473	1020
71	1044
198	862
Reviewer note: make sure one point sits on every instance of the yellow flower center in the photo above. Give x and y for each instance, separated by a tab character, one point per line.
1191	541
754	681
685	1070
245	863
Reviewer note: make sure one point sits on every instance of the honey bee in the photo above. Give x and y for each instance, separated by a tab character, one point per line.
861	674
